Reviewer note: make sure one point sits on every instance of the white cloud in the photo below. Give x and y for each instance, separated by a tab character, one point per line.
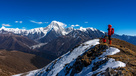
16	21
35	22
20	21
6	25
38	22
75	25
86	22
72	25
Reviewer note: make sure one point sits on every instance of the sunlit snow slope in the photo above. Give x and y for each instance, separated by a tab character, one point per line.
57	65
66	62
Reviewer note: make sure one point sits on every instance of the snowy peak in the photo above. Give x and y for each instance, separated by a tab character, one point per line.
82	29
22	31
14	30
2	27
85	29
59	24
58	27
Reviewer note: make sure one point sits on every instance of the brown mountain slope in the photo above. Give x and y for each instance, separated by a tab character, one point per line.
14	62
127	55
15	42
121	44
63	44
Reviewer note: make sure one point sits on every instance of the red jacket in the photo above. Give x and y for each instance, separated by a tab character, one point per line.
109	30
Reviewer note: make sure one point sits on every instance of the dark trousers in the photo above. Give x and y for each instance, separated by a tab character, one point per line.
109	37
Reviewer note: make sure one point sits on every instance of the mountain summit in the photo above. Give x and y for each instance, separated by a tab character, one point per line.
58	27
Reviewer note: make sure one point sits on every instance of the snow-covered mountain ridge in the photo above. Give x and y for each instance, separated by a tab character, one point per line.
56	29
57	26
75	62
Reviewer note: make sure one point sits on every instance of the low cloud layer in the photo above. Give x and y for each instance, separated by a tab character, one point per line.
6	25
75	25
18	21
37	22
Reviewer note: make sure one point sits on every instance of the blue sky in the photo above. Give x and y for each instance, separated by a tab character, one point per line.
121	14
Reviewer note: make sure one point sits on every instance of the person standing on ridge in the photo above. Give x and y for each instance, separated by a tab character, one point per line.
110	32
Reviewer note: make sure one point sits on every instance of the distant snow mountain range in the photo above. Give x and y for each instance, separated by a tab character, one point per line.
35	33
56	29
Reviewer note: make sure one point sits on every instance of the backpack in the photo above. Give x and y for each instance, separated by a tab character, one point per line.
112	31
104	40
